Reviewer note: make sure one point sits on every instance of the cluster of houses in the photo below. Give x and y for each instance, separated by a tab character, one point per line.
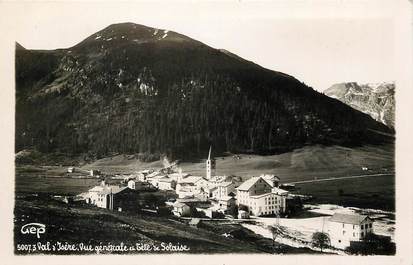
211	194
219	195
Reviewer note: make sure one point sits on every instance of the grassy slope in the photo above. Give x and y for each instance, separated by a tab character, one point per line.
300	164
94	226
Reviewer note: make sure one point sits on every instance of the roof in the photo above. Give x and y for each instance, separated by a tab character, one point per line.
186	184
191	179
194	221
179	204
176	175
218	178
153	174
226	198
112	189
158	177
270	177
96	189
354	219
224	184
249	183
279	191
165	180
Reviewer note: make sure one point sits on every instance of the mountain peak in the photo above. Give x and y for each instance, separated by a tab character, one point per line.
156	91
131	33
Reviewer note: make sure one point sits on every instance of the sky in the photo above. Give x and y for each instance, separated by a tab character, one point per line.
319	44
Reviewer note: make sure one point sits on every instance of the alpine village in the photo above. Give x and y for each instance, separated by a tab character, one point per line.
152	140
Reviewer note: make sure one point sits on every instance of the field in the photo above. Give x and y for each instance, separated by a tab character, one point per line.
301	164
308	163
376	192
76	224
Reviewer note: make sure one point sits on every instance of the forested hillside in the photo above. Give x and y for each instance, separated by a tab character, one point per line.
136	89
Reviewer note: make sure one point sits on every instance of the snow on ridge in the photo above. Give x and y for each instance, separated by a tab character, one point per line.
165	34
98	37
375	86
382	117
155	32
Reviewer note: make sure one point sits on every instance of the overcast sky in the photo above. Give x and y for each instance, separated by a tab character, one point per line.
318	44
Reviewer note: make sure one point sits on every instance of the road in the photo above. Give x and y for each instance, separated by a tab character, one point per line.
340	178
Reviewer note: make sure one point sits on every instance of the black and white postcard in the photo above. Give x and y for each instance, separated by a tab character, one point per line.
254	132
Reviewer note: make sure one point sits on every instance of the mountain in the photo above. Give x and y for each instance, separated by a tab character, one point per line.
135	89
376	100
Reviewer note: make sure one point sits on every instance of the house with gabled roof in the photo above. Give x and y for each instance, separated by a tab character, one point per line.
166	184
344	228
181	209
223	189
273	180
261	198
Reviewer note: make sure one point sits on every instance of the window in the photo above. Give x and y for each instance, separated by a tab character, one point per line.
354	234
362	234
343	225
362	226
344	232
370	225
354	226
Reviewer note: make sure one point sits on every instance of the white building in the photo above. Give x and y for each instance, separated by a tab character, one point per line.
216	180
185	190
261	198
102	195
273	180
94	173
344	228
178	176
181	209
155	179
223	189
92	194
166	184
132	184
105	197
139	185
224	203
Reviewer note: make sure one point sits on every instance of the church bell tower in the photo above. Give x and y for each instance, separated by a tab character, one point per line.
210	165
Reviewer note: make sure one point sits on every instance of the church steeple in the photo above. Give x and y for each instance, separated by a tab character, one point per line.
210	165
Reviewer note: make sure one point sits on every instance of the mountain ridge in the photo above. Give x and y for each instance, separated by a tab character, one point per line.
168	93
374	99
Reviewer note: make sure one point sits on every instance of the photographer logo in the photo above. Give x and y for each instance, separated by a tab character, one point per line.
34	229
